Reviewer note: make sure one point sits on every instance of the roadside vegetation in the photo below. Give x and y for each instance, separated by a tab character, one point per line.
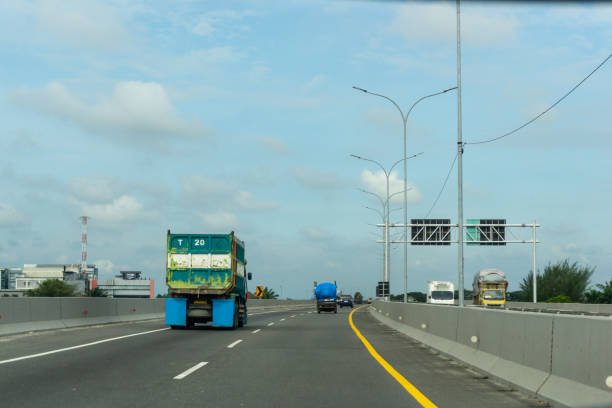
269	293
52	288
97	292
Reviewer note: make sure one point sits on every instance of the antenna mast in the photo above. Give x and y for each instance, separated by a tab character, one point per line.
83	267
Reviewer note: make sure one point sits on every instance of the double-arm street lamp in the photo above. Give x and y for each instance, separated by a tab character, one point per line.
386	208
405	122
385	218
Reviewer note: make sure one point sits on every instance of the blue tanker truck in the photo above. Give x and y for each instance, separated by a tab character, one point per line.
207	280
325	293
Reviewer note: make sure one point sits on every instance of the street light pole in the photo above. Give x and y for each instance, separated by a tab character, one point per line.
459	163
405	122
387	175
385	234
385	215
384	237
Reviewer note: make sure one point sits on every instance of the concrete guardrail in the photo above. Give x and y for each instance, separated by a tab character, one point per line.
570	307
565	359
25	314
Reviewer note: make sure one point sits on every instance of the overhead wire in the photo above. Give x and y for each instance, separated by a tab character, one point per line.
516	129
443	185
543	112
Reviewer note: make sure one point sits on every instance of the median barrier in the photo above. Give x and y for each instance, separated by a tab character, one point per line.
131	309
22	315
25	314
569	307
565	359
581	360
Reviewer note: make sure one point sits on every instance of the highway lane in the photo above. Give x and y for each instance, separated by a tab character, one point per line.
281	359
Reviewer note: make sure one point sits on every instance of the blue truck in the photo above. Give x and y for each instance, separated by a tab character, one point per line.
207	280
325	293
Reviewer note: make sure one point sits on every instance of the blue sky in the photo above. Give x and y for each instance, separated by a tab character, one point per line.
212	117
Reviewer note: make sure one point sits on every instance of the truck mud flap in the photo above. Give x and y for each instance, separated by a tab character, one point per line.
223	312
176	311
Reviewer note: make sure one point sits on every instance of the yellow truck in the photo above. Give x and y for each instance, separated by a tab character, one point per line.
490	286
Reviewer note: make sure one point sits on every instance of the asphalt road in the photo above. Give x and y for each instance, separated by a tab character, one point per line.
281	359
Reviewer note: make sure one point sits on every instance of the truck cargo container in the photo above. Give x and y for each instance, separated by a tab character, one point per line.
325	294
207	280
490	286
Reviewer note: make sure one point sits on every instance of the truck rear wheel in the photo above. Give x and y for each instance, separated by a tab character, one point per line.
235	324
241	317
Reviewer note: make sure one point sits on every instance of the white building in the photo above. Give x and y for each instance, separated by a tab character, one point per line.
33	275
128	284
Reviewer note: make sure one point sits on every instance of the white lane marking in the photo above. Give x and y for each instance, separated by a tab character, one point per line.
282	320
234	343
255	331
80	346
191	370
271	324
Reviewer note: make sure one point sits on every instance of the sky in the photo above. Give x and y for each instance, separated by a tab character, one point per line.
211	117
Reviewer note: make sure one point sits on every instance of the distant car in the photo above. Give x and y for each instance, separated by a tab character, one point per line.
346	301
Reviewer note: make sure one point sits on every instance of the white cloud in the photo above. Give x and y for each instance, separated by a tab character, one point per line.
314	233
96	189
197	59
10	216
204	27
106	268
221	220
138	109
377	184
209	22
85	23
576	15
316	179
316	82
480	26
245	200
274	144
124	209
216	191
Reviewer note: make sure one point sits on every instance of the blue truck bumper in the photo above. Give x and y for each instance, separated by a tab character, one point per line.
223	312
176	311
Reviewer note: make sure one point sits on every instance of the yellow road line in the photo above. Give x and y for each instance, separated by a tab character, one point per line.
416	394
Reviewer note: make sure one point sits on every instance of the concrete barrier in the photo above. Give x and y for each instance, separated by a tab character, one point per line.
20	315
570	307
565	359
25	314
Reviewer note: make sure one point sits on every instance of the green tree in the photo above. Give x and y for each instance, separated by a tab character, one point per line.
467	294
52	288
559	299
415	296
268	293
96	292
515	296
561	278
603	293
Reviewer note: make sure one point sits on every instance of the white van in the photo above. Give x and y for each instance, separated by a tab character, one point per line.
441	292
